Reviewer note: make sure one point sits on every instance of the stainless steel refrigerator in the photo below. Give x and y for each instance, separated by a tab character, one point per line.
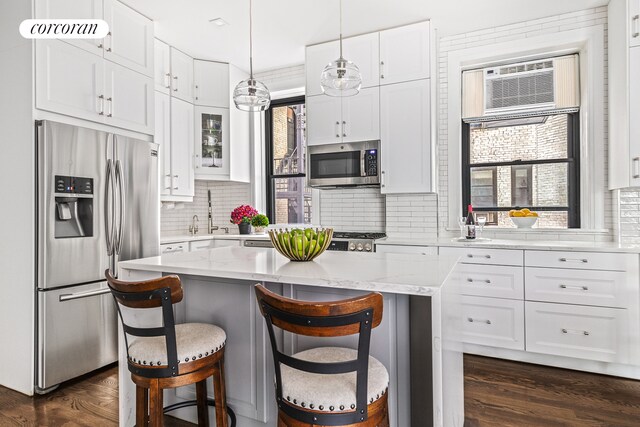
97	203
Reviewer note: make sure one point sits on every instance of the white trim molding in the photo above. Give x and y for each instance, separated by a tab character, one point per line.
589	43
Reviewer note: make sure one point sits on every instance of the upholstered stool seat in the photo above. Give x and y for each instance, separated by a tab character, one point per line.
193	341
331	393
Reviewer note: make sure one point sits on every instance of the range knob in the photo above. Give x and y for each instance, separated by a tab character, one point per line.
360	247
352	246
367	247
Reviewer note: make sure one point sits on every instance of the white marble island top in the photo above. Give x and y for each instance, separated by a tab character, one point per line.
383	272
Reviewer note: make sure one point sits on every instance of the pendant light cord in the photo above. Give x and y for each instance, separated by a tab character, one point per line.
251	40
340	28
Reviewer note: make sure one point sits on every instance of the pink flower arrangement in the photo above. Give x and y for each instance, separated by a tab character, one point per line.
243	214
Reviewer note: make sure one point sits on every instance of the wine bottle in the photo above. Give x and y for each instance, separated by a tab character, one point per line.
470	224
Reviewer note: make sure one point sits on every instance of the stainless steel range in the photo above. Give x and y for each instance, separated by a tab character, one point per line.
356	242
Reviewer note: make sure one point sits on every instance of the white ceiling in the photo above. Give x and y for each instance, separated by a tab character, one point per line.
281	28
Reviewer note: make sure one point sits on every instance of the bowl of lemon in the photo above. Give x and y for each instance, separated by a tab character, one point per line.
523	218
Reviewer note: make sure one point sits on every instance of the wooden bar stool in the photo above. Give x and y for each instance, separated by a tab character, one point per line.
171	355
327	386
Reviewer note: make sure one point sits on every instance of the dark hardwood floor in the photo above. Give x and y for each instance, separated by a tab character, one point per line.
497	393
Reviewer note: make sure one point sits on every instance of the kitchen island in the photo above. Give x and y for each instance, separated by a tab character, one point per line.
415	341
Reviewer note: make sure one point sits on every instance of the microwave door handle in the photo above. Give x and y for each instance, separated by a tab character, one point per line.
363	171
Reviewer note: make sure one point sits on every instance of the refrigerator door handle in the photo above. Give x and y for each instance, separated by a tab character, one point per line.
108	207
120	182
79	295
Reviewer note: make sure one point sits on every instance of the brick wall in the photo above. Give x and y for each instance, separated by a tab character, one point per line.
225	196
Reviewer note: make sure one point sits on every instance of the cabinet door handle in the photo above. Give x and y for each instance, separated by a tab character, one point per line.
197	162
167	79
382	179
634	25
478	256
581	260
636	167
101	100
344	132
169	186
574	331
472	320
579	287
110	41
195	91
382	69
487	281
337	130
110	101
175	89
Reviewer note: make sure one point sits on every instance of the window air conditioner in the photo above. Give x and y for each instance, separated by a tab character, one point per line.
522	89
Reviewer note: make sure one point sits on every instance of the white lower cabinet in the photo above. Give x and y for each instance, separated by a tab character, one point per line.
497	281
172	248
200	245
223	243
595	333
485	256
493	322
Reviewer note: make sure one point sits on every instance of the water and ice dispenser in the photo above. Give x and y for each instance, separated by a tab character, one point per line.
73	207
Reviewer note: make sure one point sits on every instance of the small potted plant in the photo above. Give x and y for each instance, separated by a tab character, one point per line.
242	216
260	222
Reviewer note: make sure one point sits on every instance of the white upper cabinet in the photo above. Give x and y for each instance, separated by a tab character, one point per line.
162	68
129	98
317	57
130	39
80	96
634	116
324	119
405	53
76	83
182	167
361	116
212	142
162	137
364	52
73	9
181	75
634	22
211	83
405	128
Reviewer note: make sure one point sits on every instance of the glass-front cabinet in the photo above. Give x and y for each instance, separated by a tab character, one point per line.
212	143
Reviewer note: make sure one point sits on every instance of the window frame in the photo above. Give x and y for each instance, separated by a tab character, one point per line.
269	173
573	172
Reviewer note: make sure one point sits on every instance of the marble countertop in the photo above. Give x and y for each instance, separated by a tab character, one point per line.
393	273
197	237
543	245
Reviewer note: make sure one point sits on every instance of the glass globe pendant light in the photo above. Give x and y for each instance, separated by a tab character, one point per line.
251	95
341	77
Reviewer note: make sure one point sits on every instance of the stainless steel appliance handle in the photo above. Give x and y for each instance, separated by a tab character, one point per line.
363	171
79	295
108	216
119	180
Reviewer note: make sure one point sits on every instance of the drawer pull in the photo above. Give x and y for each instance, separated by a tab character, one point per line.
487	281
573	331
583	288
582	260
472	320
478	256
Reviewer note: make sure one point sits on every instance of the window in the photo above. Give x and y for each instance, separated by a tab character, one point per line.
527	162
288	197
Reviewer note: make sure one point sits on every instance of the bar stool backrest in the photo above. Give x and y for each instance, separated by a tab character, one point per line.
162	292
352	316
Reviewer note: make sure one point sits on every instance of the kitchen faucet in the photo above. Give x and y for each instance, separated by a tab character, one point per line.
193	228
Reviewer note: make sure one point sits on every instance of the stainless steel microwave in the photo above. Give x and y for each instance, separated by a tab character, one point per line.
344	164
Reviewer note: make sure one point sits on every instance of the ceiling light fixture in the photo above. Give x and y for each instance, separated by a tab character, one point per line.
219	22
251	95
341	77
